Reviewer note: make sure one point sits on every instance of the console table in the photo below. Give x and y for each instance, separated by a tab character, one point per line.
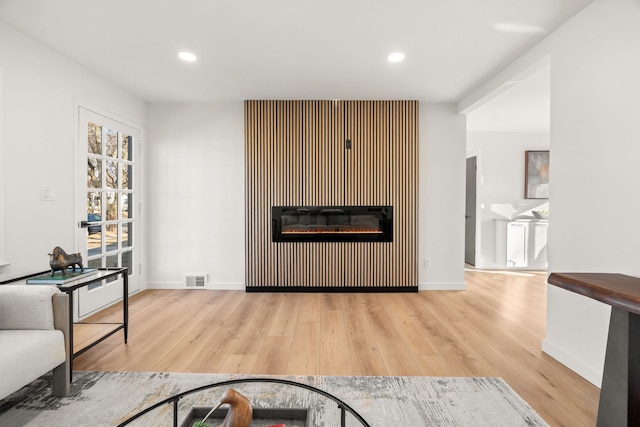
620	392
68	288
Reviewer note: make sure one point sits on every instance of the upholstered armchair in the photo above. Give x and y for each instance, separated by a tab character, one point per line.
34	330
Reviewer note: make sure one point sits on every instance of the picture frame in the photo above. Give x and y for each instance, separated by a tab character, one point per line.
536	174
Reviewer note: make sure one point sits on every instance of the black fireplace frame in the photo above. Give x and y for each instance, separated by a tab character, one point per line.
384	214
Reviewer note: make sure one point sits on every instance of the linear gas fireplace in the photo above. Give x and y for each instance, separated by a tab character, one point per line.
332	223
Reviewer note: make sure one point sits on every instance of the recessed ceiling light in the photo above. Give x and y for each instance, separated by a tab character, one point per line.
187	56
395	57
517	27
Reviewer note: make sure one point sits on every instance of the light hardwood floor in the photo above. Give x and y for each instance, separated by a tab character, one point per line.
494	328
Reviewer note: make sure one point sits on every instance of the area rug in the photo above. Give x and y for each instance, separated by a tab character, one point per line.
109	398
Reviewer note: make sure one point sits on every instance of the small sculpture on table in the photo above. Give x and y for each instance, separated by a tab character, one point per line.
240	412
60	260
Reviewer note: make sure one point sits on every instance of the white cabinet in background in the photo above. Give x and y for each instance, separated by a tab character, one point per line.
521	243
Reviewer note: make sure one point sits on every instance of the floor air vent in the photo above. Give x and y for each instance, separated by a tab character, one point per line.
196	281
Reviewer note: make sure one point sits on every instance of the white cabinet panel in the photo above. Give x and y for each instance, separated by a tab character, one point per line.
521	243
517	233
538	253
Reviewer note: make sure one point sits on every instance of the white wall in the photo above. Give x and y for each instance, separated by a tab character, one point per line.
441	206
595	138
501	159
195	164
40	88
195	194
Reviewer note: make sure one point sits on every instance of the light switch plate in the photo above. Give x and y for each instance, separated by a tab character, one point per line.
47	193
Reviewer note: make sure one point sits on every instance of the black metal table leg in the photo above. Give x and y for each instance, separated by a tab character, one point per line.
71	355
125	303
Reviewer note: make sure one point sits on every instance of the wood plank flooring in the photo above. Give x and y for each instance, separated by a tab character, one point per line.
494	328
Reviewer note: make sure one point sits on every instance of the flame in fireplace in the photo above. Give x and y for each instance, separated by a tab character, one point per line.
351	229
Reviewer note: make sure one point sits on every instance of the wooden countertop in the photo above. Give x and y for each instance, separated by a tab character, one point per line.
617	290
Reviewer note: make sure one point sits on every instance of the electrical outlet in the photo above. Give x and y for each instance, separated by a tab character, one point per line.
426	262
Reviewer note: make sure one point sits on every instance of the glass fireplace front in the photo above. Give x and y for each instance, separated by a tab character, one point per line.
332	223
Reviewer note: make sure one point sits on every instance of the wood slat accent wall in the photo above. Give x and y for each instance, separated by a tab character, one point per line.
295	155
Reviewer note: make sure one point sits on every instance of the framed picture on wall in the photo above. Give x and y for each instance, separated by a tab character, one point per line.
536	175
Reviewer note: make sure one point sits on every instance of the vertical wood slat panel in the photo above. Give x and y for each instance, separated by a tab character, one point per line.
294	155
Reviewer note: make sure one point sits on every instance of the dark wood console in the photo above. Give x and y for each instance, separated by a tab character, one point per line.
620	392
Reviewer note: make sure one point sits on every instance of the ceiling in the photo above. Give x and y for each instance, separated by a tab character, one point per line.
291	49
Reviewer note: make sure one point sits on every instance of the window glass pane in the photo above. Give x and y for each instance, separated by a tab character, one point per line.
94	215
124	206
125	176
127	261
111	143
94	175
126	147
111	180
94	244
94	204
94	218
94	139
127	235
111	237
112	261
95	263
112	206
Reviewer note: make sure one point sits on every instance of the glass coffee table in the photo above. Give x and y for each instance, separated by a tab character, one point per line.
290	417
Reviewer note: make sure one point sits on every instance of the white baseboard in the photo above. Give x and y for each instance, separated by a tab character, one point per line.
488	266
442	286
594	376
504	267
210	286
227	286
430	286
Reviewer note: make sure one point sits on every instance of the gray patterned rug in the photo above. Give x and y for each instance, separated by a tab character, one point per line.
109	398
